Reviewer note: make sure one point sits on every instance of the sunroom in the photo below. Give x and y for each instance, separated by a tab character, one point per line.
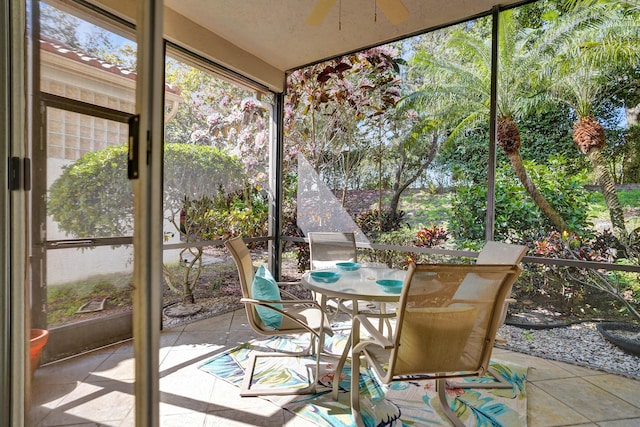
155	133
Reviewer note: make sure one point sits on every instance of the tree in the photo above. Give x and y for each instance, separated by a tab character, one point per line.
59	25
221	115
581	76
93	197
332	107
465	61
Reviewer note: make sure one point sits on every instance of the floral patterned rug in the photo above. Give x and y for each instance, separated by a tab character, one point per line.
410	403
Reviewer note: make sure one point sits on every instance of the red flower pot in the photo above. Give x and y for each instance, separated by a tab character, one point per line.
39	338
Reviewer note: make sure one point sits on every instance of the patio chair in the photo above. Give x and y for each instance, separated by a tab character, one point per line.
325	250
503	254
328	248
268	314
437	335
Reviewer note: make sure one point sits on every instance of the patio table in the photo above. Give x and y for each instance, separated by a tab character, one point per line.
359	285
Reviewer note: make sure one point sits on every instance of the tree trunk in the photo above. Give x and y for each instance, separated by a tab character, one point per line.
589	136
603	177
399	186
509	140
537	197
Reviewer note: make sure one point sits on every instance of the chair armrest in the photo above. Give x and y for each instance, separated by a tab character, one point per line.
283	302
268	304
285	284
376	335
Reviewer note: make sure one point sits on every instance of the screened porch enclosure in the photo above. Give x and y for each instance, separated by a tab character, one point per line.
341	168
394	143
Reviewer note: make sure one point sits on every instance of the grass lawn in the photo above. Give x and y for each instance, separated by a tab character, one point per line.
630	201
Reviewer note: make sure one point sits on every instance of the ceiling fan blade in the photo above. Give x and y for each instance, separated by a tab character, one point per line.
320	12
394	10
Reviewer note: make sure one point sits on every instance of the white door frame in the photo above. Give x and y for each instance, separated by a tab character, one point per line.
14	218
147	190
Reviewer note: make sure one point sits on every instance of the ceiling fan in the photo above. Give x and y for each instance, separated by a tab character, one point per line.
394	10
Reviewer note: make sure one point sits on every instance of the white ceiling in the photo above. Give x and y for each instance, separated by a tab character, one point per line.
275	31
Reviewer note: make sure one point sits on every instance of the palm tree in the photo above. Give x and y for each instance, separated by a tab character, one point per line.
467	82
581	75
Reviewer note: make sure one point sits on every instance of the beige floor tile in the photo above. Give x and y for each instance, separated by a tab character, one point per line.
190	340
191	419
239	321
186	391
542	369
230	418
129	420
635	422
589	400
216	323
559	394
169	338
181	360
624	388
543	410
227	396
579	371
45	398
105	403
70	370
118	366
124	348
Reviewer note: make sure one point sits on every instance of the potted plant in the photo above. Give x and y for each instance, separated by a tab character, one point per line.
37	342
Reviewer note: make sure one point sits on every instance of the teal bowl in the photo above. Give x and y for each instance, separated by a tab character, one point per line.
347	266
325	276
390	285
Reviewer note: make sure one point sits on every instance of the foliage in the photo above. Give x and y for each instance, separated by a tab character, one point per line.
93	197
63	301
631	156
196	172
431	237
465	157
338	114
220	114
548	135
602	247
59	25
515	214
391	258
375	222
226	215
212	218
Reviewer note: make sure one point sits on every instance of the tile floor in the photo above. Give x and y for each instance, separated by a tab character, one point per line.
97	389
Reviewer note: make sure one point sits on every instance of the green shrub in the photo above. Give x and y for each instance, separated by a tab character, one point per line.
516	216
374	222
93	197
238	214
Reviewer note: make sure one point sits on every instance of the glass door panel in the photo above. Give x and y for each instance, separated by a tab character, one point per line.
85	272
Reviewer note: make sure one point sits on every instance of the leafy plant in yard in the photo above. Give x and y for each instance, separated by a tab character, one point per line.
601	247
375	222
93	197
430	237
212	218
515	213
